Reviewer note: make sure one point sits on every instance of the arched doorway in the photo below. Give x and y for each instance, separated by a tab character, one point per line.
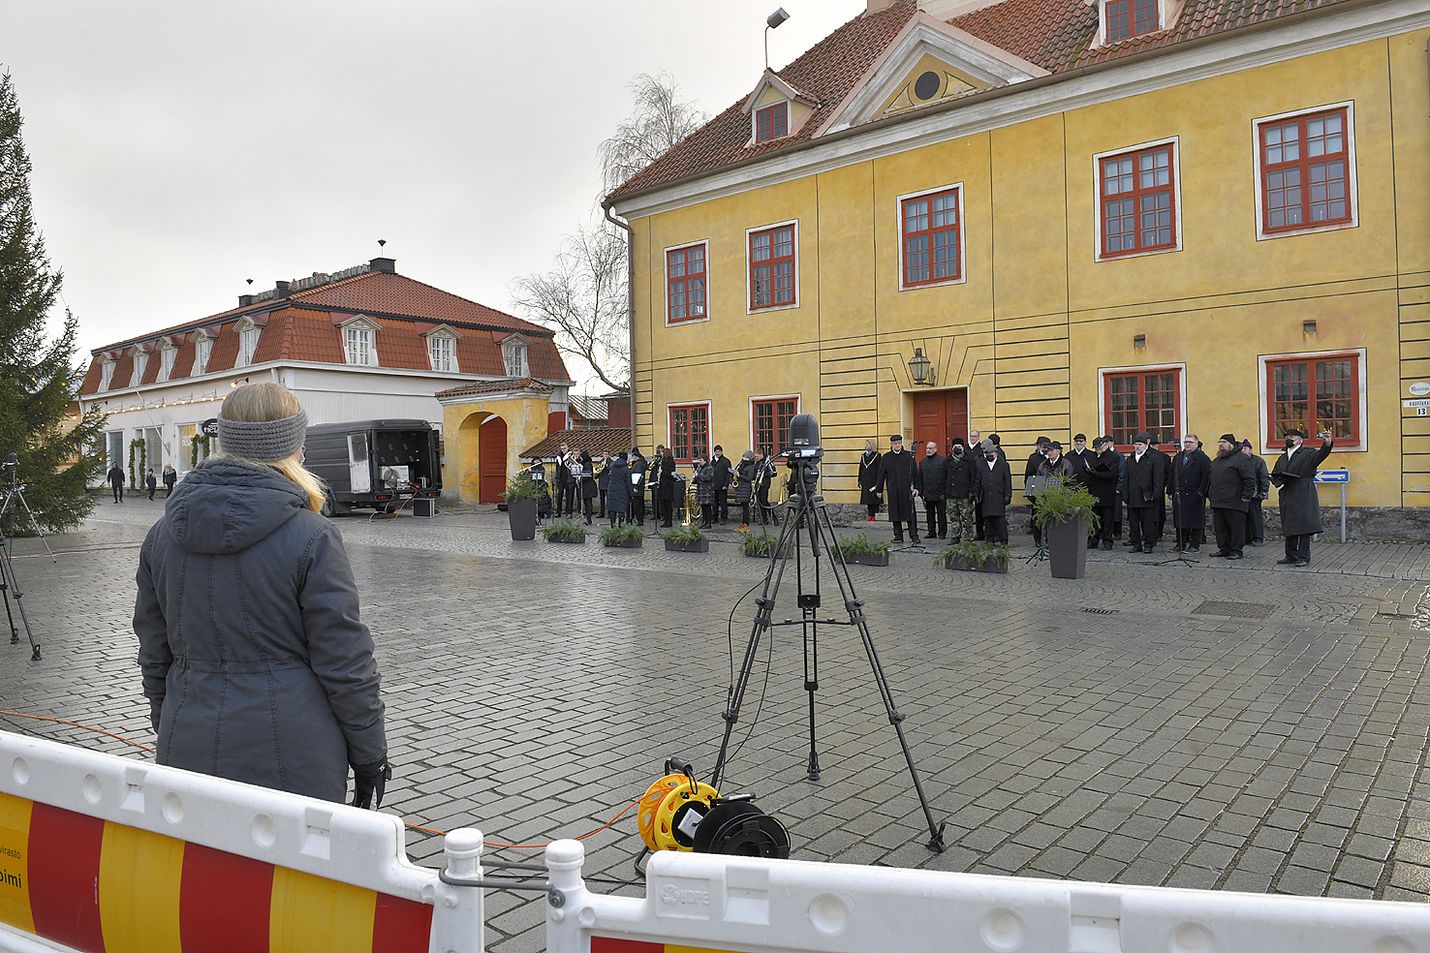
491	460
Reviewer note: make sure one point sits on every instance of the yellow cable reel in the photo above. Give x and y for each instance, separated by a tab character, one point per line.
663	816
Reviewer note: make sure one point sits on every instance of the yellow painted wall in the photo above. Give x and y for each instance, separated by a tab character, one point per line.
526	424
1036	316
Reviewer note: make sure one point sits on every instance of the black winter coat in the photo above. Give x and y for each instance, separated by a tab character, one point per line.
959	485
1187	486
993	488
1263	477
1233	482
744	481
1300	507
665	478
933	477
256	664
618	486
1100	477
116	477
869	470
1144	483
897	475
705	481
724	471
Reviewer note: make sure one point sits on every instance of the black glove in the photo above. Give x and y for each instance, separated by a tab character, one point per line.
155	708
369	783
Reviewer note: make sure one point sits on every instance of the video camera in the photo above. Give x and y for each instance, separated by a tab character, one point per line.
804	451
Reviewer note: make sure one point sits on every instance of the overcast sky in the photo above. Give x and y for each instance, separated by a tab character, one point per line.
180	147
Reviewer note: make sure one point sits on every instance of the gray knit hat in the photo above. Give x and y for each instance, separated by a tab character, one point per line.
265	440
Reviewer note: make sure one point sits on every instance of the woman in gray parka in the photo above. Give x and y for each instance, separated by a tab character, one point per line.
255	663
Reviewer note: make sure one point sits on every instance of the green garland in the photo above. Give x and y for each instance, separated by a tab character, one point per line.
196	441
143	450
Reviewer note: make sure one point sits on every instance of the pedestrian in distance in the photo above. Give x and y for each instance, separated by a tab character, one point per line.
1294	475
255	661
116	482
705	477
1255	519
1187	482
932	487
618	490
897	475
995	493
723	476
1100	478
586	484
563	484
1231	486
665	483
170	477
958	489
151	483
639	467
1144	485
869	480
745	487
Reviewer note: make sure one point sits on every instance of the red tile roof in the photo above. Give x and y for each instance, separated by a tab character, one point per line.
305	327
1054	34
610	440
476	388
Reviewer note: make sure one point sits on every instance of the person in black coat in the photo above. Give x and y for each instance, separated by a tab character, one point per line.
151	483
1144	486
932	485
745	486
764	479
869	479
618	490
1187	486
1231	487
664	480
1255	521
958	488
562	483
170	476
1080	456
639	467
603	482
586	484
1295	475
705	478
1030	469
1100	477
1054	466
116	482
897	475
724	474
993	489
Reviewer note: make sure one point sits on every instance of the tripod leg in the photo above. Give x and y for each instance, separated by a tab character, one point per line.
9	617
7	572
856	616
764	611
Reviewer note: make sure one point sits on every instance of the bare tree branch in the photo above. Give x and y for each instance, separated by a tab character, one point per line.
658	121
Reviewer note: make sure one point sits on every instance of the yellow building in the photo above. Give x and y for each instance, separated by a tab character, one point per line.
1097	216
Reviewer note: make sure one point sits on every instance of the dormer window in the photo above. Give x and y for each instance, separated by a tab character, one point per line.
167	352
1124	19
203	347
513	353
360	341
442	350
106	373
248	332
141	360
772	122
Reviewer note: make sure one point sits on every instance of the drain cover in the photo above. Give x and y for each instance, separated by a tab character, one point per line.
1100	611
1237	610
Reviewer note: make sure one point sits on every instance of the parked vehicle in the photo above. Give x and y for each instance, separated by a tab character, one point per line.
375	463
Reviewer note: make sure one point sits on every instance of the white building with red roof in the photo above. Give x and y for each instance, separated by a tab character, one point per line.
358	344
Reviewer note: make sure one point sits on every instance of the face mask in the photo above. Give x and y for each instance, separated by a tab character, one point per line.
958	451
990	457
1290	442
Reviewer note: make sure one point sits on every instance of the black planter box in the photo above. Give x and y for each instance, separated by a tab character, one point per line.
703	546
628	544
522	516
577	542
989	565
867	559
1067	548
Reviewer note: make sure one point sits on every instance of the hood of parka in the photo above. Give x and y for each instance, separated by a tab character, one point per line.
225	506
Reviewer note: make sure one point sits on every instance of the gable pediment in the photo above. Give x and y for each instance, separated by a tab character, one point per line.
929	62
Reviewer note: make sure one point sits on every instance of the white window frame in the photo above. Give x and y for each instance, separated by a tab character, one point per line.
1179	366
750	413
746	255
1352	181
518	346
709	420
141	363
962	244
352	344
167	354
665	287
1176	143
203	353
248	335
754	124
450	341
106	373
1362	395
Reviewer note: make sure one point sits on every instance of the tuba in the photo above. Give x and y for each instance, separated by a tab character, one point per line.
689	502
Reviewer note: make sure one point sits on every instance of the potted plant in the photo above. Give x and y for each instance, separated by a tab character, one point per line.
761	544
564	531
1065	513
520	498
687	539
971	556
623	536
863	552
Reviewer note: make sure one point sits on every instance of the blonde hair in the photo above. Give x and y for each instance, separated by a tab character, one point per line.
264	401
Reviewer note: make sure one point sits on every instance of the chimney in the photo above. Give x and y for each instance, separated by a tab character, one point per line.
245	300
282	288
388	266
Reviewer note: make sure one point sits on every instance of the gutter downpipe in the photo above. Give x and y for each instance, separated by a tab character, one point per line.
630	309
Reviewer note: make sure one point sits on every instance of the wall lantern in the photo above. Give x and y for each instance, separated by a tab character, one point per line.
1308	327
920	369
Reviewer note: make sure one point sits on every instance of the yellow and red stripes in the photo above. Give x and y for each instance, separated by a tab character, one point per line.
609	944
104	887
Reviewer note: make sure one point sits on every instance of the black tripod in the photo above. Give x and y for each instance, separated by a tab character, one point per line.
9	582
806	513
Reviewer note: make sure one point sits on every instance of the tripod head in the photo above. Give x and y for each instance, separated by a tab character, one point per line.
803	454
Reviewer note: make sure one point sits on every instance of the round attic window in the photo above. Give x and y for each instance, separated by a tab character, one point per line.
927	85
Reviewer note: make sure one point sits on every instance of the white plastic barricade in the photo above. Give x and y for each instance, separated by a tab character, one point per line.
104	853
712	903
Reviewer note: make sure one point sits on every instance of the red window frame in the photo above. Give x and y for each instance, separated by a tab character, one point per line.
689	428
919	219
1323	375
1138	179
1148	381
772	122
683	283
1305	166
1131	18
764	270
769	418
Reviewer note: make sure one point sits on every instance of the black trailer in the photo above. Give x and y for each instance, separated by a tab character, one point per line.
375	463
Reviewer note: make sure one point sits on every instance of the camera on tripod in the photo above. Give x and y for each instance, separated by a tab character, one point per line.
804	452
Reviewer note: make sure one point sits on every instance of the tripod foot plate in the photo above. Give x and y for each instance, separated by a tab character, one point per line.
936	843
35	654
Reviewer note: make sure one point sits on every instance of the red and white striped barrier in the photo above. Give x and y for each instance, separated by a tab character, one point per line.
715	903
106	854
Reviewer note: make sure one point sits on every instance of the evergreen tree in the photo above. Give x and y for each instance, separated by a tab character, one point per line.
39	382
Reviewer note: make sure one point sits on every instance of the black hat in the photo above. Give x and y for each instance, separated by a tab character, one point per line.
1228	437
1080	436
1054	445
1246	444
1296	432
719	449
988	446
897	438
1043	441
1143	437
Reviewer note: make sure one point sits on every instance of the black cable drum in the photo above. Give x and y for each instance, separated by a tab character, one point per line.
741	829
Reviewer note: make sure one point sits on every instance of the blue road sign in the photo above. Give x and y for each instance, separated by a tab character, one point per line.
1333	476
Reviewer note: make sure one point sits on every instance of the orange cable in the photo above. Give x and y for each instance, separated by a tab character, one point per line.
75	724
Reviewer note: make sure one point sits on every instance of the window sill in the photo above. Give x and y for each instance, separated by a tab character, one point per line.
1144	253
677	322
772	307
940	283
1263	235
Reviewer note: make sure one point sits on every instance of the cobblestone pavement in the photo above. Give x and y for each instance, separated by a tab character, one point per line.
1116	728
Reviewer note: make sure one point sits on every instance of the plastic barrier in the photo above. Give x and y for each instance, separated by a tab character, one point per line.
107	854
711	903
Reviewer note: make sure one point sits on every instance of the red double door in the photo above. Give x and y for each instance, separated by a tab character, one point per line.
939	416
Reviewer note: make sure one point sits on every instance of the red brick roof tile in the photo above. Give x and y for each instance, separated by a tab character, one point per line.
477	388
593	440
